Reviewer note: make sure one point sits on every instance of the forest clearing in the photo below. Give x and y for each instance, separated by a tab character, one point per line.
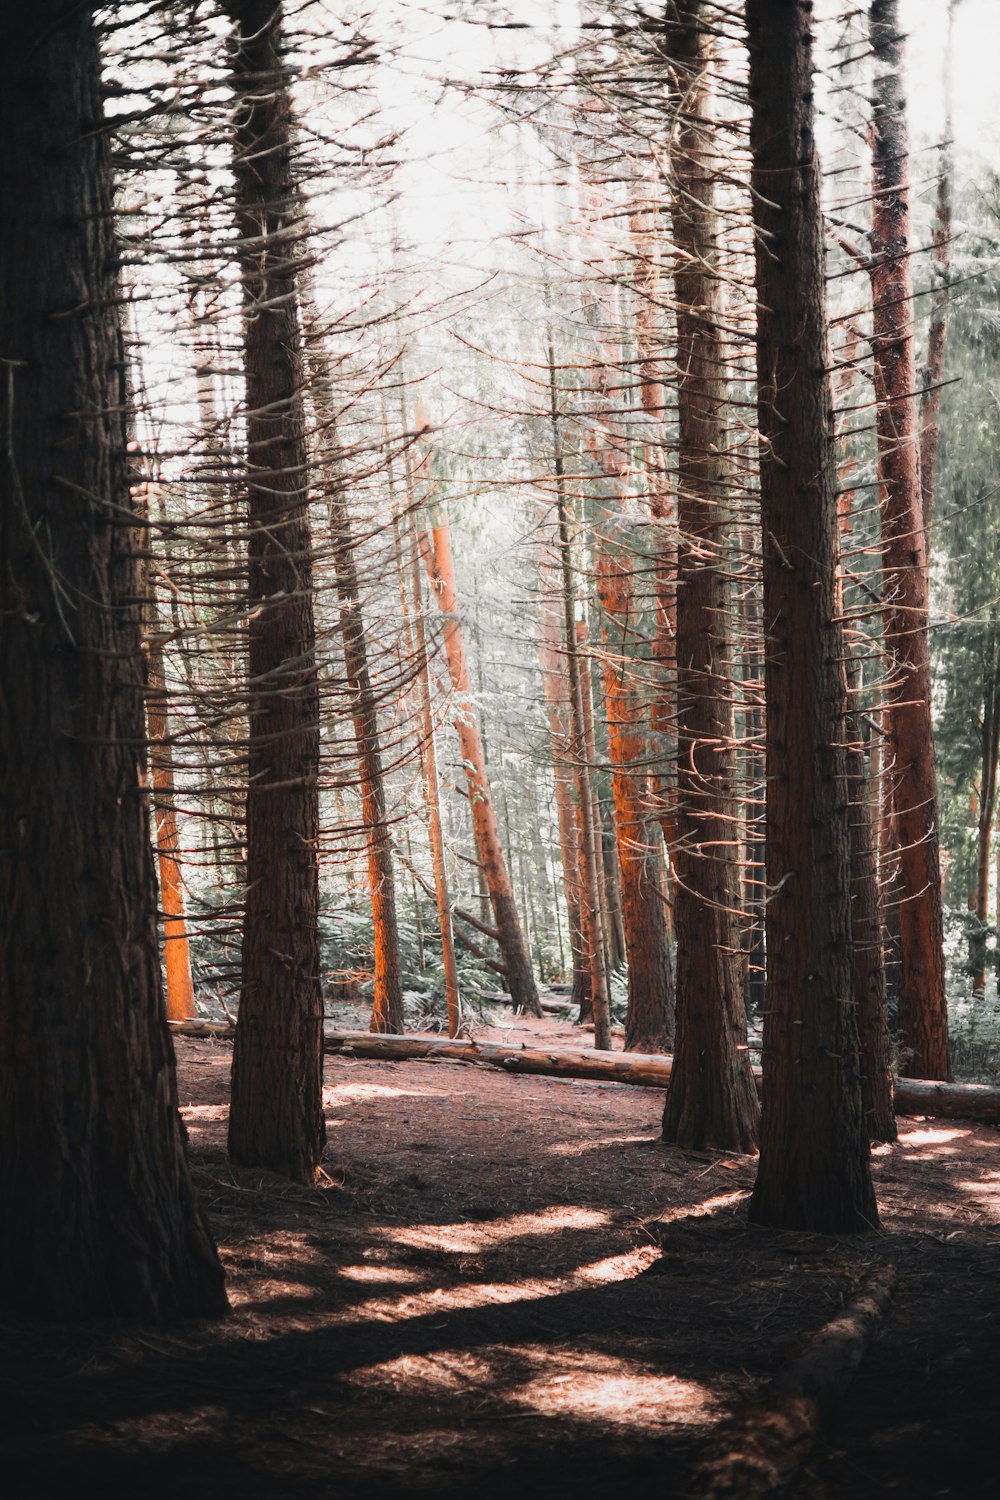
500	747
511	1284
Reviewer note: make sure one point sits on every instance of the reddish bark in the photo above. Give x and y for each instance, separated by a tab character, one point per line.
922	1008
650	1019
176	950
432	798
276	1113
653	399
711	1100
517	963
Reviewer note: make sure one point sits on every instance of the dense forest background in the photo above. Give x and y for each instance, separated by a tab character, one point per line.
513	496
502	173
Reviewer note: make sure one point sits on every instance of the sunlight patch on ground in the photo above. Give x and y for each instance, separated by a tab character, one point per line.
267	1290
930	1137
984	1190
382	1273
450	1372
338	1093
194	1114
590	1386
467	1239
697	1210
581	1148
620	1391
612	1269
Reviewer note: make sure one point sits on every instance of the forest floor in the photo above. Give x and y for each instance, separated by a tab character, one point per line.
510	1286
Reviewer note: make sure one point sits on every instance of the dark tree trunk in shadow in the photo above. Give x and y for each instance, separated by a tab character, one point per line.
276	1114
814	1169
99	1216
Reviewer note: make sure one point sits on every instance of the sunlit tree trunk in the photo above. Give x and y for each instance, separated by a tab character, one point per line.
517	963
276	1113
650	1017
922	1016
712	1099
653	400
432	795
176	949
99	1215
814	1169
608	902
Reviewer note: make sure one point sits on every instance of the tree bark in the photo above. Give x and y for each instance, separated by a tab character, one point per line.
558	708
99	1215
276	1117
867	924
922	1012
814	1169
387	999
517	963
711	1100
867	954
989	757
176	949
933	372
650	1018
432	796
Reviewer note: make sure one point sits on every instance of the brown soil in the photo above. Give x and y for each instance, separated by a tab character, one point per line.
510	1286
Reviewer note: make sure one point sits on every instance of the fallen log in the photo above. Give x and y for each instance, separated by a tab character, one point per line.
913	1096
949	1101
761	1449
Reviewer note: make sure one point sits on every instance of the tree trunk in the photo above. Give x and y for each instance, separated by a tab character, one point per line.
867	954
176	950
933	372
867	949
591	907
387	1000
99	1215
814	1169
608	906
276	1115
650	1018
922	1008
989	758
711	1100
517	963
432	796
558	708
